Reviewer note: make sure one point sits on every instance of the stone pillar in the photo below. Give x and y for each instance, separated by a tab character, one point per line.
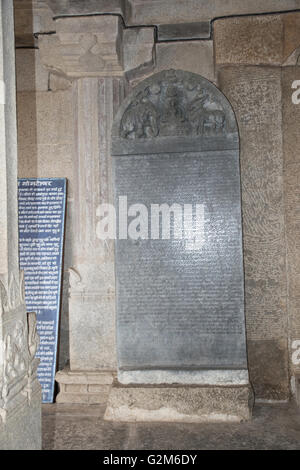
20	392
251	77
89	52
291	147
92	293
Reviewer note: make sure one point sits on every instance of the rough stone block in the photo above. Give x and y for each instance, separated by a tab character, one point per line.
138	48
291	27
249	40
191	56
187	404
87	387
45	118
184	31
30	73
255	94
31	17
291	147
268	369
23	431
160	11
97	333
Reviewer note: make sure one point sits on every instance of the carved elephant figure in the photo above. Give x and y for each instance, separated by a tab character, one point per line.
131	124
140	120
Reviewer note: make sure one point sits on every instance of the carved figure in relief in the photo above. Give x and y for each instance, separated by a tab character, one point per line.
15	360
213	119
3	298
33	337
205	121
141	118
173	106
173	119
195	109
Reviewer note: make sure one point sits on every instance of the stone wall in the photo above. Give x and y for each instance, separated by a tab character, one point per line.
45	146
253	59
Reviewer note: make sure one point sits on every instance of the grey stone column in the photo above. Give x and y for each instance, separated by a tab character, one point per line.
92	337
88	51
92	291
95	53
20	392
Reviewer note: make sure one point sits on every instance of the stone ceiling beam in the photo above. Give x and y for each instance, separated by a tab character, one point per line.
157	12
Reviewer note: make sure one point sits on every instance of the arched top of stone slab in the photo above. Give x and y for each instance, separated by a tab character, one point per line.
174	111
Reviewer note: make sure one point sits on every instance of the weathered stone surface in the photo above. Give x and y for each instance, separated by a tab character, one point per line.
182	55
45	135
57	82
255	40
255	94
291	23
20	392
137	12
92	341
185	404
291	148
86	46
81	427
30	73
138	48
268	370
45	120
31	17
176	11
167	295
92	284
45	149
297	388
249	40
23	431
180	31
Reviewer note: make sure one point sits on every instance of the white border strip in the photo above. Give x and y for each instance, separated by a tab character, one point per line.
189	377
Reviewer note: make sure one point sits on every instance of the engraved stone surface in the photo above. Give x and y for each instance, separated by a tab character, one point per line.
255	94
180	302
291	146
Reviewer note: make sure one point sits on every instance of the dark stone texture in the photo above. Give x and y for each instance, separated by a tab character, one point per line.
267	368
179	307
255	95
172	32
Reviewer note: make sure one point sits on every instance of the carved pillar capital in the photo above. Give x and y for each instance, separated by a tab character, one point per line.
84	47
97	46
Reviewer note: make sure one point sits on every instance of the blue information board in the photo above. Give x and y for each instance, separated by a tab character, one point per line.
42	203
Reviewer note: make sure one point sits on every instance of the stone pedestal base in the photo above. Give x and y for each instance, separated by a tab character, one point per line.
89	387
179	403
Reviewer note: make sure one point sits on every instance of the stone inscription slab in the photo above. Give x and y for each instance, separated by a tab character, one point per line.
180	304
41	235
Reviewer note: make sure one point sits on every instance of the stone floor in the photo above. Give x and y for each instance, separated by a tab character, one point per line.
82	427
